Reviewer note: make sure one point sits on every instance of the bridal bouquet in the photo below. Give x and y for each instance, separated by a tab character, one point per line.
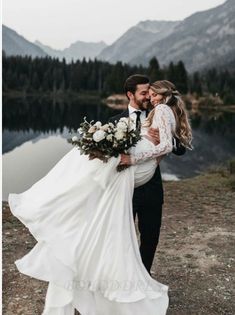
108	140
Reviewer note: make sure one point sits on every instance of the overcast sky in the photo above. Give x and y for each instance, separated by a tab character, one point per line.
58	23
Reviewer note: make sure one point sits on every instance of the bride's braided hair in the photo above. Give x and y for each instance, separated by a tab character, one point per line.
173	99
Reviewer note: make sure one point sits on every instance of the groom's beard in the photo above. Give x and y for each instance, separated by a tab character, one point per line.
143	105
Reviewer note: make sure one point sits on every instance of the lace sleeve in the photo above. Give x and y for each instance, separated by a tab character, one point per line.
162	119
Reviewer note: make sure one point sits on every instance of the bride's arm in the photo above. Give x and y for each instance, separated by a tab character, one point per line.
163	121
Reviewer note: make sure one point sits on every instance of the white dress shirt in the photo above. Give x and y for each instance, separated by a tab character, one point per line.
133	115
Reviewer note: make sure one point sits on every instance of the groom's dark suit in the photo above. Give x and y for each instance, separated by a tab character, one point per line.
147	204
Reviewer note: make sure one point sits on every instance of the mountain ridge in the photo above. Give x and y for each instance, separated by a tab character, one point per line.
15	44
127	47
76	50
203	39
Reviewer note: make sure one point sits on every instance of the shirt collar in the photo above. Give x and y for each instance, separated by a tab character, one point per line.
132	109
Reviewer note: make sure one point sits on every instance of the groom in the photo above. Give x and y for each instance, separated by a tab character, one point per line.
147	199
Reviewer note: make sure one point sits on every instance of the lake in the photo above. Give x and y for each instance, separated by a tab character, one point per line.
35	133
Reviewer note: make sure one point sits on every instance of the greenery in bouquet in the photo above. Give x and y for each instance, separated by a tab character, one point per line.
108	140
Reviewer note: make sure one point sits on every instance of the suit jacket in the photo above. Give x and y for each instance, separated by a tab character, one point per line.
178	148
152	187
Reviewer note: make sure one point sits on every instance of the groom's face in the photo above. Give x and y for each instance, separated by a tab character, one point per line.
140	99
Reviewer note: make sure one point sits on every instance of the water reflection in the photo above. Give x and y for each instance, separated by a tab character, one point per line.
35	132
215	122
25	119
26	164
49	114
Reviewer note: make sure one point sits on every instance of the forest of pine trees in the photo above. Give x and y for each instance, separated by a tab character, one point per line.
29	75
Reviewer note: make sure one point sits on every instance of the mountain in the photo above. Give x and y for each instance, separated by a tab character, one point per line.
202	40
136	40
48	50
77	50
15	44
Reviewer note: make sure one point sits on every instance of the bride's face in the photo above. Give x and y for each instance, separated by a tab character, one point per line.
155	98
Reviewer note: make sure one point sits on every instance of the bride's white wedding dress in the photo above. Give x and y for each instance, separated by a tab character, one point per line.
80	213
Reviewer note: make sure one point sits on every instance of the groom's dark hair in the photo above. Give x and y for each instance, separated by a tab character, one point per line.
132	82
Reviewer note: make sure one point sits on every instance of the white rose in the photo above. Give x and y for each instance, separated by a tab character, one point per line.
122	126
119	135
98	124
80	130
98	135
124	119
92	129
131	126
104	127
109	137
111	125
75	138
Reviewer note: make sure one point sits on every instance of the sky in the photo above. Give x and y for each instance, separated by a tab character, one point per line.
58	23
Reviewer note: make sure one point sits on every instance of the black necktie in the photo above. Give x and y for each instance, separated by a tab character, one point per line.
137	122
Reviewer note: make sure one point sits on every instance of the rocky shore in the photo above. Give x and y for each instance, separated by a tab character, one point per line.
195	257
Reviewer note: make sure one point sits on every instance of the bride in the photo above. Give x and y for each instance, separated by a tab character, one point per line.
80	213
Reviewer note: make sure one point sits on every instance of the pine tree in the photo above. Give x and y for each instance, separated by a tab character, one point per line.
196	84
181	77
153	71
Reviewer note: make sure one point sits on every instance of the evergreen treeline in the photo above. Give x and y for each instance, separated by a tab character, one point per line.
49	74
52	75
215	82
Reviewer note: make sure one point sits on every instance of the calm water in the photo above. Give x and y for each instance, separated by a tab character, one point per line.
35	133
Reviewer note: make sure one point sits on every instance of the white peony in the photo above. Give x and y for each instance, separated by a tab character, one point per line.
74	138
98	135
122	126
98	124
119	135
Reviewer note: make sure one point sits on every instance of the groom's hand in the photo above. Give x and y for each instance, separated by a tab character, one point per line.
125	162
96	154
154	134
125	159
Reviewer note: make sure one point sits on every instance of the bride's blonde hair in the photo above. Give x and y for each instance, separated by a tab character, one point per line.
172	98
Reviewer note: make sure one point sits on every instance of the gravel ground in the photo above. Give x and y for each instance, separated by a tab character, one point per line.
195	257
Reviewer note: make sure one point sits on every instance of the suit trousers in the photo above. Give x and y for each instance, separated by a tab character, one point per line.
147	206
